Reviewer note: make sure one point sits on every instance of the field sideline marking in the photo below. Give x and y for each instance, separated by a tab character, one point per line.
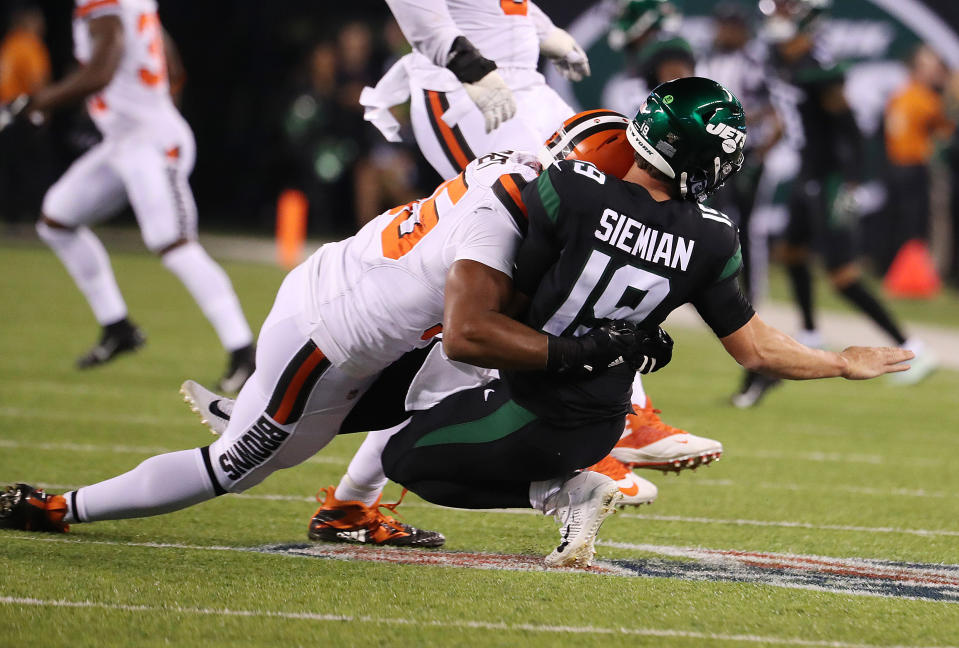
787	524
55	415
475	625
129	449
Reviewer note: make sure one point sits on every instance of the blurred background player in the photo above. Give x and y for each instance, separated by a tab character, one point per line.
145	158
24	68
823	208
738	61
915	123
646	32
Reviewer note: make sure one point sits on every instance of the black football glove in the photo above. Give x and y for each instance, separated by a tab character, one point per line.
602	347
14	110
650	352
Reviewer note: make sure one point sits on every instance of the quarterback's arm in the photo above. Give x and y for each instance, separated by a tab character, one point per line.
106	36
760	347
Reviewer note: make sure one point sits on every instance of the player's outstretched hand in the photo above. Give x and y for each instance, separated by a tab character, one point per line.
494	99
651	351
566	54
863	363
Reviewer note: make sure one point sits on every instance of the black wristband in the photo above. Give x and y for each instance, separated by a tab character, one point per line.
465	61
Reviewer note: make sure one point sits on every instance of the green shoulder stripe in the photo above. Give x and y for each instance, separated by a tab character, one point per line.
732	266
548	195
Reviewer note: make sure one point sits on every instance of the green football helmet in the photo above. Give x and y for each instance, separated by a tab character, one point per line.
693	130
638	17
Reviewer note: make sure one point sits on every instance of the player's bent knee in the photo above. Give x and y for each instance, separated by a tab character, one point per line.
163	250
50	230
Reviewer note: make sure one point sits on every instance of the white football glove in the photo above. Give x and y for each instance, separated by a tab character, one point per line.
494	99
566	54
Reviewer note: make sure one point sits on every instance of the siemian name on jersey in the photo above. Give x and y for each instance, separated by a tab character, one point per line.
621	231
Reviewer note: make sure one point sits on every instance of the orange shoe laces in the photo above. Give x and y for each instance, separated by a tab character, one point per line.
372	518
611	467
649	417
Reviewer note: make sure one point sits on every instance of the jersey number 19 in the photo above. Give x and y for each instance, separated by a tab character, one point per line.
601	292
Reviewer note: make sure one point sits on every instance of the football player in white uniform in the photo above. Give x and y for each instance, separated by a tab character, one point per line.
144	160
350	311
472	78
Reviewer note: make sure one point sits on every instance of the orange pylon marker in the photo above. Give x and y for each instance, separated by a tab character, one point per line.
913	273
291	214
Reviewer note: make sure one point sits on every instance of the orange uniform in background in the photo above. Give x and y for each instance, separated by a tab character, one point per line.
914	115
24	64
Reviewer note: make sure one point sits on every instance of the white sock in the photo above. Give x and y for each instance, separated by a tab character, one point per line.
161	484
639	394
542	495
212	291
85	258
364	479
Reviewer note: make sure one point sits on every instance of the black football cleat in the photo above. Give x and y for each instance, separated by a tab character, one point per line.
119	337
27	508
242	364
754	389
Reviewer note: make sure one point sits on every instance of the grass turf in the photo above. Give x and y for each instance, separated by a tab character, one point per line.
829	454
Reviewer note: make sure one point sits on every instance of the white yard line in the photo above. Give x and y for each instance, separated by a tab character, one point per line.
786	524
831	457
129	449
87	417
825	488
427	622
791	525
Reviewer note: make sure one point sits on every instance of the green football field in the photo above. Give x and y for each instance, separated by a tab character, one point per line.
775	545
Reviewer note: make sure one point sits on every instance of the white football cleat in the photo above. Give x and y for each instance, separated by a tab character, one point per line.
582	503
214	410
648	442
920	367
636	490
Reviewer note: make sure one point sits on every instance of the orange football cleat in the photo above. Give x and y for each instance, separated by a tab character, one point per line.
648	442
353	521
31	509
634	488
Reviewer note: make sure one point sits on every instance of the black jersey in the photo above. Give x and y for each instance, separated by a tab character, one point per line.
833	141
601	248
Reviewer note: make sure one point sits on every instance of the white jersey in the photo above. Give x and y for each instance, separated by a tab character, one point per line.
375	296
139	93
505	31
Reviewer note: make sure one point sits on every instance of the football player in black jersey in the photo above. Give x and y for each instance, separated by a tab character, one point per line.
600	249
823	208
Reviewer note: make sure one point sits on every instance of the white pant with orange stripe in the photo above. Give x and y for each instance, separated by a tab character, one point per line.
292	405
148	169
539	112
290	408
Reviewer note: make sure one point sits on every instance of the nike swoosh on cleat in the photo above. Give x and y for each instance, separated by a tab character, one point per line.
216	411
629	492
486	394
